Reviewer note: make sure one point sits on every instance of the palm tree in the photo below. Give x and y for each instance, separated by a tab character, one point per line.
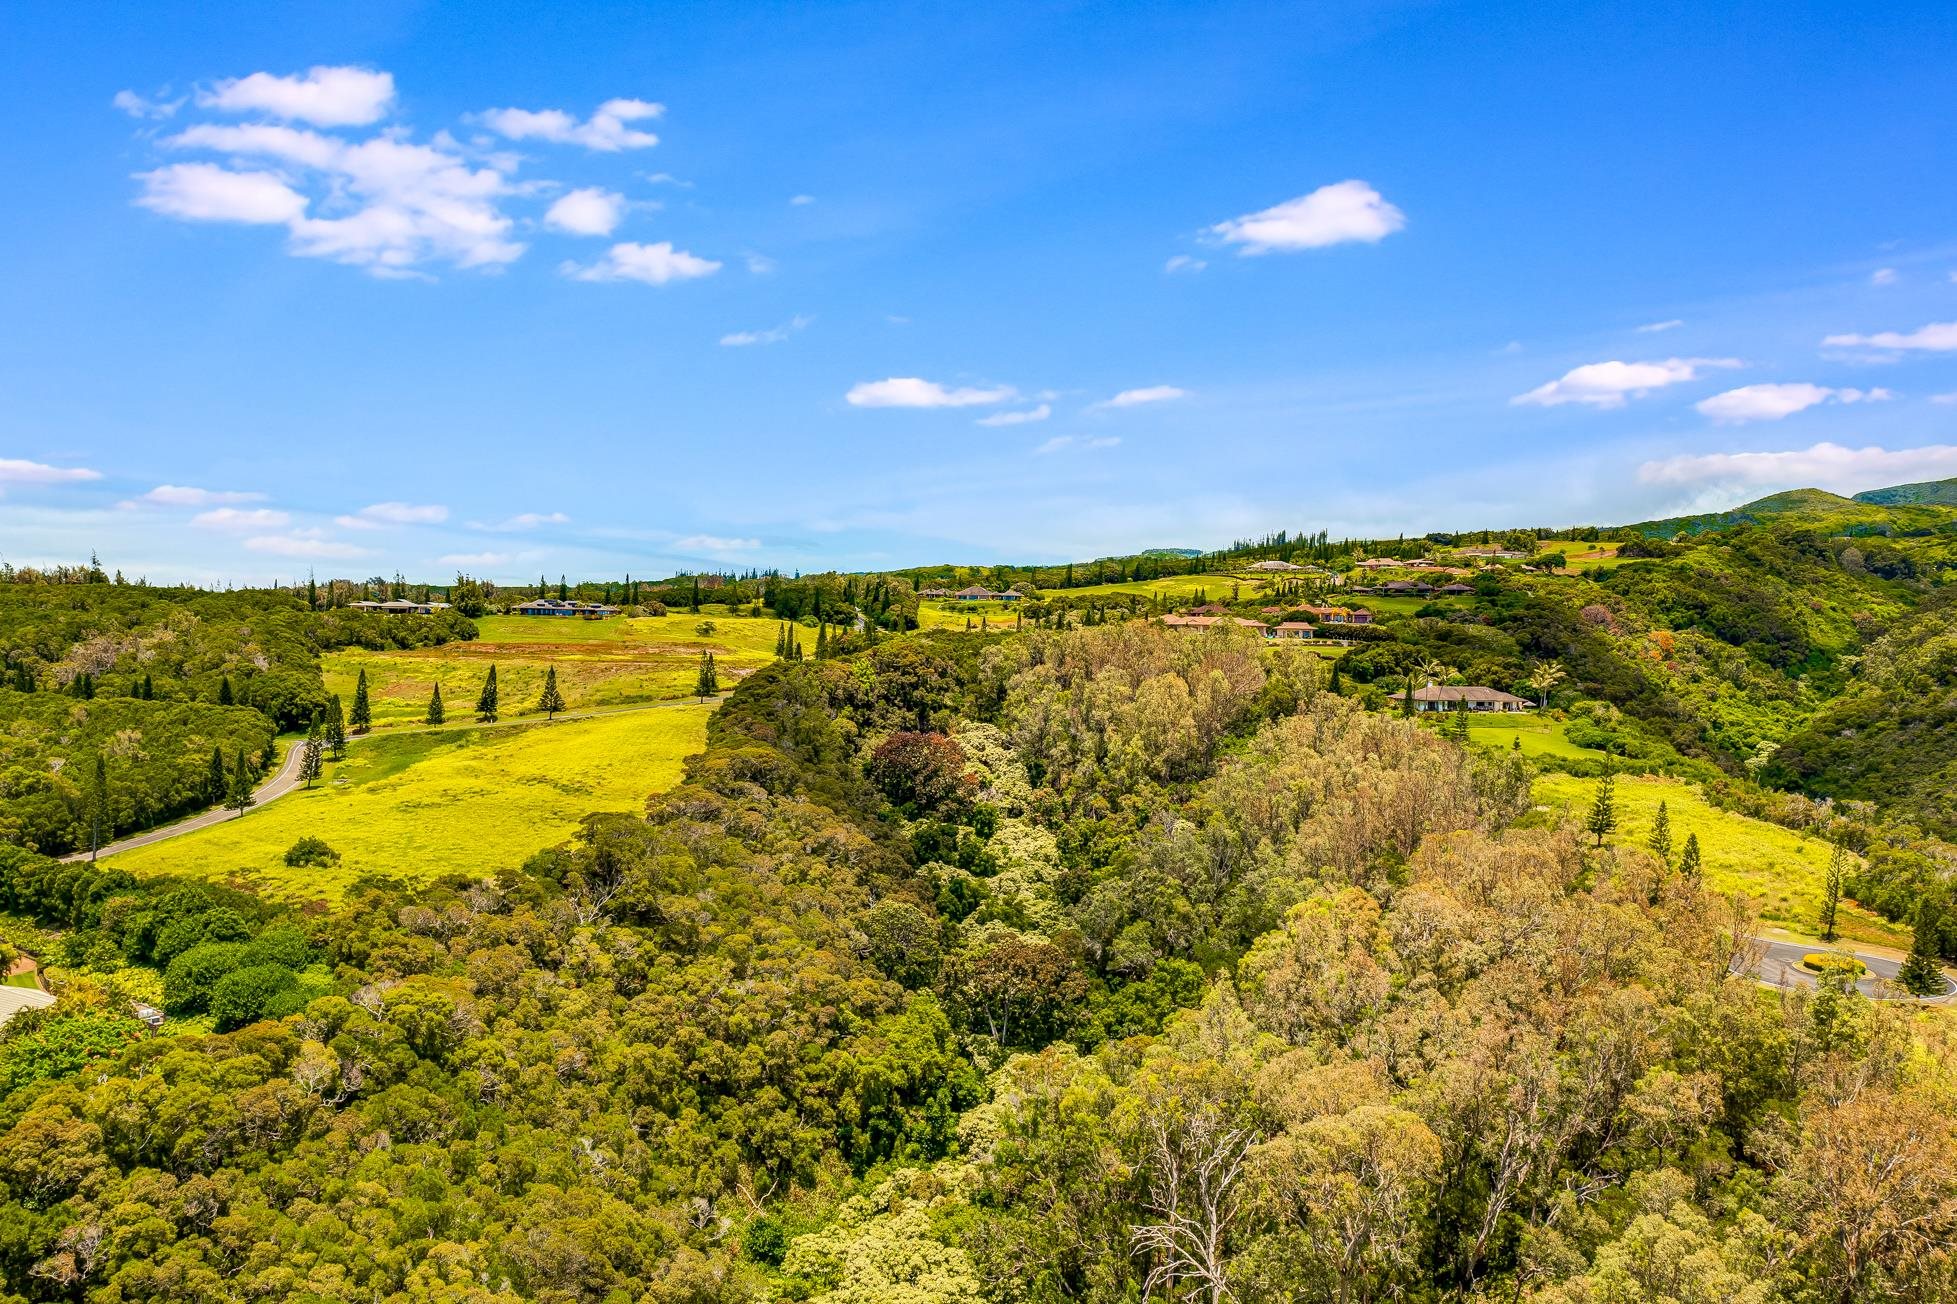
1544	678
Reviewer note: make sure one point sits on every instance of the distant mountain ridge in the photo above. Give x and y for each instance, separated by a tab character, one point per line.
1921	507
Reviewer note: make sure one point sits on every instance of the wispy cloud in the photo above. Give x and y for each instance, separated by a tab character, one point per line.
649	264
14	470
524	521
178	495
1608	384
1343	212
801	201
1883	276
1185	264
1937	337
376	515
154	109
774	335
607	130
241	518
476	558
913	392
1140	397
711	545
1059	442
1772	402
323	96
1040	413
1655	327
1824	465
305	543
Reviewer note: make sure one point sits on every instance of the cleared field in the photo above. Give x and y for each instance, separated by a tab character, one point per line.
1777	867
951	615
1584	556
420	805
599	663
1540	736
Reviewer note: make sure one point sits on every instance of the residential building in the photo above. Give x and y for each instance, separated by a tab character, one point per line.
1273	565
1294	629
1466	697
15	999
565	607
399	607
1340	615
979	593
1211	622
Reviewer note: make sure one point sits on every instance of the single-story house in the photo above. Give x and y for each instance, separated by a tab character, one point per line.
1273	565
1211	622
979	593
1294	629
565	607
1488	550
1340	615
1406	588
934	593
1466	697
1456	589
400	607
15	999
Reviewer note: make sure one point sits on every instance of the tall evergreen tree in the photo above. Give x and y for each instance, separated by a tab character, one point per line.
822	641
1661	835
1831	890
1457	724
241	799
1688	859
552	701
224	696
361	718
1603	811
563	588
312	763
695	604
435	713
486	703
1921	975
216	787
708	682
336	727
99	817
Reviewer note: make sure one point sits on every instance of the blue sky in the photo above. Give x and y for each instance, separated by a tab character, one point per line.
626	287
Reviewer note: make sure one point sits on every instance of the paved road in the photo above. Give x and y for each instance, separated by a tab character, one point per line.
286	777
1780	966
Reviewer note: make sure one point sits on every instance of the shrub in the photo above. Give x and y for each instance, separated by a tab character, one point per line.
311	851
192	976
1833	962
244	995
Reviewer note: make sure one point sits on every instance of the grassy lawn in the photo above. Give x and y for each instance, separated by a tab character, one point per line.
949	615
1397	606
1540	736
20	980
1584	556
427	804
1777	867
599	663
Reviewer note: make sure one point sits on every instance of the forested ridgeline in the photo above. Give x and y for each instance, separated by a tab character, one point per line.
1081	965
146	684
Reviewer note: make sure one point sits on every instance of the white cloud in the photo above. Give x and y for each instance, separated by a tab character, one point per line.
1184	263
1138	397
1937	337
1883	276
1040	413
374	516
759	264
15	471
1329	215
303	543
1772	402
911	392
241	518
1824	465
525	521
604	131
801	201
654	264
744	339
1606	384
385	203
1944	398
141	106
589	210
1653	328
205	192
711	544
667	179
476	558
177	495
1059	442
325	97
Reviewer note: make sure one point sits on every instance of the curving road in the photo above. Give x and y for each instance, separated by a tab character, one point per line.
286	777
1779	965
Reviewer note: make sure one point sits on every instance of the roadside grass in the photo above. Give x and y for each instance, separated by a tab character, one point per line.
419	806
1780	869
599	663
1540	736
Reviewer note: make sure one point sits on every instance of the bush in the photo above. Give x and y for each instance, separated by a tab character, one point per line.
245	995
194	975
312	852
1831	962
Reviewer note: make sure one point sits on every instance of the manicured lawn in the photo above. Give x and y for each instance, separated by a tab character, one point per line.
421	805
599	663
20	980
1540	736
1777	867
950	615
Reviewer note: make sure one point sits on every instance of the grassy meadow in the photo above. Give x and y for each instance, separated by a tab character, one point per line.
1779	868
1540	736
420	805
600	663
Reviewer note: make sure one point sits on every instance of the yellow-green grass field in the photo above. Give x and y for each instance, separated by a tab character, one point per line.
599	663
952	615
1779	868
1584	556
420	805
1540	735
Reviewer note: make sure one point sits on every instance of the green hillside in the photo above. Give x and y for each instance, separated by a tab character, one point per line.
1942	492
1902	509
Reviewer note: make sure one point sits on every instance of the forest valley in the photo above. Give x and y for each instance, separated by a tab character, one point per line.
1093	961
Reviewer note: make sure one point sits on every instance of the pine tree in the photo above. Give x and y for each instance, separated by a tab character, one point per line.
312	592
1831	890
552	701
241	798
1688	859
1338	675
1406	699
695	603
361	718
149	689
1603	811
1921	975
1457	725
224	697
781	641
312	763
708	684
1661	834
486	703
435	713
216	787
563	590
336	727
822	641
98	804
